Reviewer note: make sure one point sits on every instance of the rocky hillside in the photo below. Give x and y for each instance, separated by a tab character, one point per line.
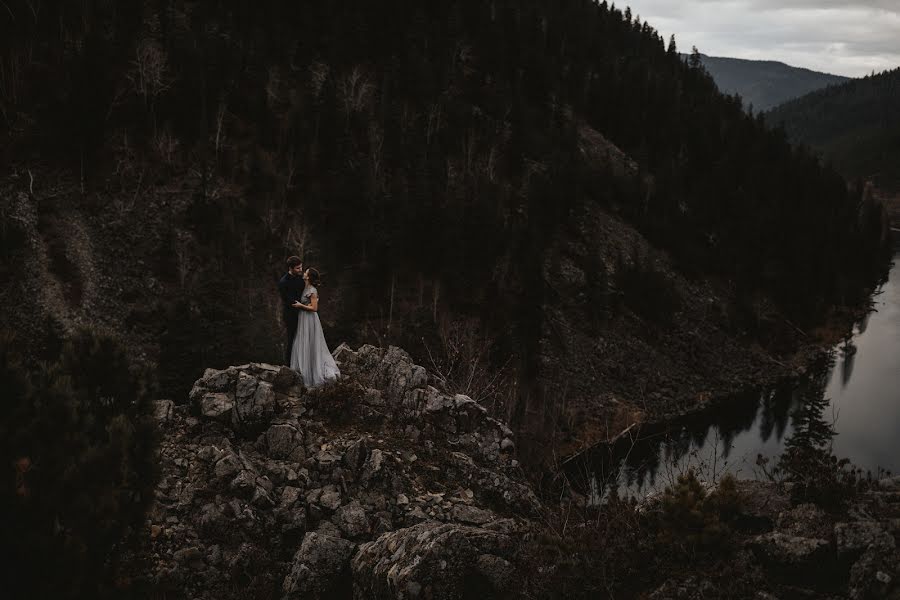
615	334
383	486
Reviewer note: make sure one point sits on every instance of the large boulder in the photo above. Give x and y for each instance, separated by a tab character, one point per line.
791	557
244	397
392	380
320	568
437	560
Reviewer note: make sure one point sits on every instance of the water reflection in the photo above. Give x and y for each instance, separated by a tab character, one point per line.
857	397
848	356
655	457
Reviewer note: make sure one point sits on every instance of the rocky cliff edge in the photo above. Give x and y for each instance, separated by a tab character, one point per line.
376	486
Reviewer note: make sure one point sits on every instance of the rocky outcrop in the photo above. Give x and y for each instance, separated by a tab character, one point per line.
382	486
808	548
438	560
378	485
781	550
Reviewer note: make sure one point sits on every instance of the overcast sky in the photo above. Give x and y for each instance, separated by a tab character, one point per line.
848	37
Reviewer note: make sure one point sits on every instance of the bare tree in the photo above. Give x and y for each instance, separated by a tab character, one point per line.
356	90
462	364
318	73
149	75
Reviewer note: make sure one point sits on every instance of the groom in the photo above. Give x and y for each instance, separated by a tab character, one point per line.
290	288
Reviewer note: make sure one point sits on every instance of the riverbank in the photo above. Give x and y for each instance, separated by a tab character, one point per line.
607	363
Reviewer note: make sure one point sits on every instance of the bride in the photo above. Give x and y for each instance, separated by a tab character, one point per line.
310	353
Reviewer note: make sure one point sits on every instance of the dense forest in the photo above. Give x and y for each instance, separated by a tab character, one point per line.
856	126
764	84
429	150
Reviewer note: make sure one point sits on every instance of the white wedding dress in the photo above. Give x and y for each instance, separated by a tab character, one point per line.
310	353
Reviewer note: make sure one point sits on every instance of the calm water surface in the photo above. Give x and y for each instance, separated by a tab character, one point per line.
863	389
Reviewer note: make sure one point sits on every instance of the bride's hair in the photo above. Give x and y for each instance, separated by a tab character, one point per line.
314	277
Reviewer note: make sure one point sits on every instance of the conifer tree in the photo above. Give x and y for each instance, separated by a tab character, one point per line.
81	444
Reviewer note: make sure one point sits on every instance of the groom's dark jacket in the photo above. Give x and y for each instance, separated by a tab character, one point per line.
290	287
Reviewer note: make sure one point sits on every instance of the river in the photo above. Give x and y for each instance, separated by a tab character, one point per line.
862	388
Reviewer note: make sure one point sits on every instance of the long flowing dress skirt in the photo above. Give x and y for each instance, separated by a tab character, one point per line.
310	354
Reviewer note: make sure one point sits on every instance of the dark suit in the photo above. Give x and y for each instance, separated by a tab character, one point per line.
290	288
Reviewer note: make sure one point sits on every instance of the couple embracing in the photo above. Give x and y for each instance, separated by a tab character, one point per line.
305	348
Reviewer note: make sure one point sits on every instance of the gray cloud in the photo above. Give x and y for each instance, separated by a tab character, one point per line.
833	36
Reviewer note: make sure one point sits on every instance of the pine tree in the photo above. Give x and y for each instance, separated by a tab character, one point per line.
672	50
696	60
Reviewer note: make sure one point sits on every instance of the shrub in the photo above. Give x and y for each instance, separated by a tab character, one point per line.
596	554
692	520
335	400
86	445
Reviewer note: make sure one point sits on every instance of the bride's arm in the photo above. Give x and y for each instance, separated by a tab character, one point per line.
313	303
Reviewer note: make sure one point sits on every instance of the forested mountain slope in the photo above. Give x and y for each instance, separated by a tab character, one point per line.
855	125
165	156
764	84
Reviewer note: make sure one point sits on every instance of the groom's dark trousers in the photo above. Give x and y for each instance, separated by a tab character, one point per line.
290	288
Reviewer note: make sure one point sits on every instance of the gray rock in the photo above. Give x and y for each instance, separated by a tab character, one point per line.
261	498
805	520
216	406
218	381
330	498
890	484
497	570
163	409
246	386
472	515
243	484
874	573
356	454
319	568
330	529
326	460
254	401
285	441
352	520
372	466
289	496
228	466
761	504
854	538
264	399
292	519
434	560
211	519
789	553
286	378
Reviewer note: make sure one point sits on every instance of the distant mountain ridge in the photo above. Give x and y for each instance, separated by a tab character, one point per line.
855	125
765	84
